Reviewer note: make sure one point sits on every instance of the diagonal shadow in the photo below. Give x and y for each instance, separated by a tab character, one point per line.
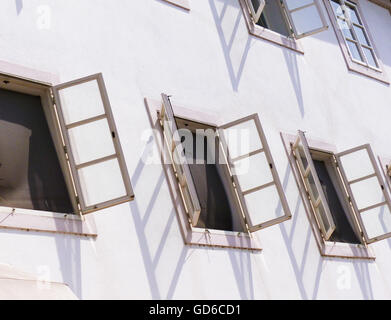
228	45
19	6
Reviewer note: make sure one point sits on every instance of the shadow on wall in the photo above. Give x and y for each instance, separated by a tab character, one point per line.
19	6
241	260
310	289
231	43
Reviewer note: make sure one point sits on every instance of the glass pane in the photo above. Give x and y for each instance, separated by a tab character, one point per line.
377	221
307	19
312	186
322	215
242	138
337	7
264	205
361	37
370	57
367	193
302	156
352	15
357	164
345	29
354	50
253	171
80	102
102	182
91	141
293	4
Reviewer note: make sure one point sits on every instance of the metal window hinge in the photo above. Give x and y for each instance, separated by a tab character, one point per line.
65	149
77	200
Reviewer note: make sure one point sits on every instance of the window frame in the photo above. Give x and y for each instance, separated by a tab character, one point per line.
33	82
267	34
82	207
193	235
351	63
326	248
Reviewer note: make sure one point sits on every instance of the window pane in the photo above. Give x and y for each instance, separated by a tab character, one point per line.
336	7
322	214
361	37
352	15
81	102
313	186
253	171
354	51
293	4
307	19
91	141
370	57
377	221
345	29
102	182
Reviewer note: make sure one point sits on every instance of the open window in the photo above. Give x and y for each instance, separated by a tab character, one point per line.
288	17
241	176
349	188
92	144
68	156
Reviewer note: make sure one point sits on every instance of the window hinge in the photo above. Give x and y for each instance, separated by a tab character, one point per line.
65	149
77	200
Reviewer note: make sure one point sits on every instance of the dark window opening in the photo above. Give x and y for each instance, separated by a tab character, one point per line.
273	18
30	173
344	231
218	210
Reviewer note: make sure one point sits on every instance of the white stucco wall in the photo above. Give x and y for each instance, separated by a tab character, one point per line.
207	60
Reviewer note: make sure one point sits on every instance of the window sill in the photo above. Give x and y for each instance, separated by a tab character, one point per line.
267	34
194	236
42	221
346	250
223	239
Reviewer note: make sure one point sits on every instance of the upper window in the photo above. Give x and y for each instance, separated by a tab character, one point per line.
345	190
62	152
355	34
355	40
226	175
291	19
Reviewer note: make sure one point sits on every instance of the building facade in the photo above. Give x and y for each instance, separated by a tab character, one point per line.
308	81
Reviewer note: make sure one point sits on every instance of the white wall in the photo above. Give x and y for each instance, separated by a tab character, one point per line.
207	60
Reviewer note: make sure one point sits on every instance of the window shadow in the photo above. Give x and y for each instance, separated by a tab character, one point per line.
294	74
231	42
19	6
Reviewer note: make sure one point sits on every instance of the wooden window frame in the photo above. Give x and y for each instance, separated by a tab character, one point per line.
184	4
352	64
326	248
28	81
82	207
267	34
192	235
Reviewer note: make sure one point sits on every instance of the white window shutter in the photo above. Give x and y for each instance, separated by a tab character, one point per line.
305	16
313	187
179	162
92	144
254	173
365	186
